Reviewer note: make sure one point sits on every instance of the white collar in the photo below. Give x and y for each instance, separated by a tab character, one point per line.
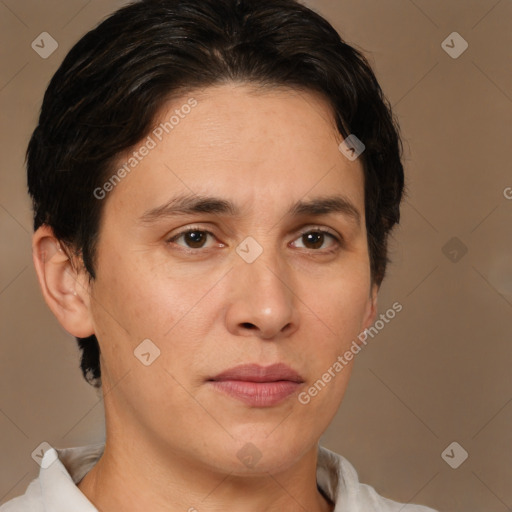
63	468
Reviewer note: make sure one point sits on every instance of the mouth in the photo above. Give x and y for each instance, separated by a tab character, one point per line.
256	385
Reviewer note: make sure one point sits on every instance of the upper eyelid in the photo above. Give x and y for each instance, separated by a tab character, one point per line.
307	228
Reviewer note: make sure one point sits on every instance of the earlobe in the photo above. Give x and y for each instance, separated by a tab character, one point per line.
64	288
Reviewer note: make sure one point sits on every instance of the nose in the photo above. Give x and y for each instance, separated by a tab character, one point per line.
262	300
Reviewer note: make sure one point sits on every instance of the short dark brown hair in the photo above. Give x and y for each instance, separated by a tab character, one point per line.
110	87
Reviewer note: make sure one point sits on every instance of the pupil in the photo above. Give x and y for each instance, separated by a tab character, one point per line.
195	237
319	237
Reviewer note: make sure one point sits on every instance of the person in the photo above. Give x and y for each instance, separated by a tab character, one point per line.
213	183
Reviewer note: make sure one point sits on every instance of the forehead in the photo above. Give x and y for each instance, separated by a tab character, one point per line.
258	148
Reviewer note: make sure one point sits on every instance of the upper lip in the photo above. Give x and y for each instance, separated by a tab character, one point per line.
257	373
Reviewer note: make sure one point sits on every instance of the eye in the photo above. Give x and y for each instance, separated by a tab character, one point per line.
317	237
194	238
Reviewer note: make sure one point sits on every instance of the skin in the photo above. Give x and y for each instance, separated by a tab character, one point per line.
172	440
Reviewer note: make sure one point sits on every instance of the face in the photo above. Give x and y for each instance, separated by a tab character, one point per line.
261	285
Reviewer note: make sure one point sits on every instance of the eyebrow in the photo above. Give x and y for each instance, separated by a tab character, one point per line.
193	204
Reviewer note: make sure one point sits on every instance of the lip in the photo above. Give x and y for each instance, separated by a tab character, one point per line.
258	386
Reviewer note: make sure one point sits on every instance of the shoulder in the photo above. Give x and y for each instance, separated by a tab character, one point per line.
31	501
339	479
55	488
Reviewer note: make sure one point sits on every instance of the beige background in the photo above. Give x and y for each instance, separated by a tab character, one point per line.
440	371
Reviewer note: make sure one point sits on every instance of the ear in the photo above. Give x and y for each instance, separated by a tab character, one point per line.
371	308
65	288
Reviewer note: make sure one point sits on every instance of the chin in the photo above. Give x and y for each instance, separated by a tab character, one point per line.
261	453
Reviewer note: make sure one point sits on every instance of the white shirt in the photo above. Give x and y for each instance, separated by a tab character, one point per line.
55	490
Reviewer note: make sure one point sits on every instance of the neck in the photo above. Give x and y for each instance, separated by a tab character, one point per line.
142	478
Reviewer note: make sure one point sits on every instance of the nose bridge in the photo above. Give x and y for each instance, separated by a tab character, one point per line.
263	269
263	294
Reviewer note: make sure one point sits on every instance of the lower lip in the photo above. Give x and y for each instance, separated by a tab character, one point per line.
257	394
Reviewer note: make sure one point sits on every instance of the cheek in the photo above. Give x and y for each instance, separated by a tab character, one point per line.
142	300
341	309
135	300
344	303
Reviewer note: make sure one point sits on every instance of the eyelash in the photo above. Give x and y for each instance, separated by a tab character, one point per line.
338	241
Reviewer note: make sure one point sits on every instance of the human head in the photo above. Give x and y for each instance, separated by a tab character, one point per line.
112	85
